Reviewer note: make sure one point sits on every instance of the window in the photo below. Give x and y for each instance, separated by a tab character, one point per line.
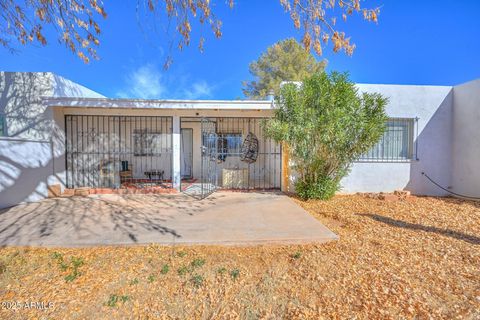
396	144
147	143
3	126
230	143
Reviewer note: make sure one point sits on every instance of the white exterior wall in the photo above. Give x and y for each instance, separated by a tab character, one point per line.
466	139
432	105
32	153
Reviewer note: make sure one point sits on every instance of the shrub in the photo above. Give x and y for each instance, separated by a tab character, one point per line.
323	188
327	124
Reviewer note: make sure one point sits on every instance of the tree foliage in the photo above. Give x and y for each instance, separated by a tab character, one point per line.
78	27
318	19
286	60
75	21
327	124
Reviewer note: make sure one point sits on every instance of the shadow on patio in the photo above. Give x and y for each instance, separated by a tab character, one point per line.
121	218
227	218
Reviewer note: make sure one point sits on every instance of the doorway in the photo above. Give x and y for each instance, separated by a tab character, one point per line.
186	154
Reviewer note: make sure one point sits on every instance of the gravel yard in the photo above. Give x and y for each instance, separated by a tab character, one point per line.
418	258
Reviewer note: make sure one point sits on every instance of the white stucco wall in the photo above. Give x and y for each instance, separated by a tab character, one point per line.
466	139
25	168
32	153
432	105
32	156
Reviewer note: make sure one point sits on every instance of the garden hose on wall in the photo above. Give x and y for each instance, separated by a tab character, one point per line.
445	189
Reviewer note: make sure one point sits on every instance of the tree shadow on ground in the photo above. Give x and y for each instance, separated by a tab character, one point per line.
414	226
64	220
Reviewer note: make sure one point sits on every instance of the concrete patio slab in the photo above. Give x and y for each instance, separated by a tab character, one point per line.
225	218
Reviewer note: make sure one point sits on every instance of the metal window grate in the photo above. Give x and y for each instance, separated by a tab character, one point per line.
397	143
233	173
118	151
3	126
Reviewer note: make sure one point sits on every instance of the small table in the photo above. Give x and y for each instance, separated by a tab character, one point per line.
154	173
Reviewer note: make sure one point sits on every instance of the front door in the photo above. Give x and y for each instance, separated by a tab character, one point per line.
186	154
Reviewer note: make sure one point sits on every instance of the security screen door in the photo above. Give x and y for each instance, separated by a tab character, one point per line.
209	157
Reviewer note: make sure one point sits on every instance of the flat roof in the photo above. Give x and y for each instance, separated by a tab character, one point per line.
157	104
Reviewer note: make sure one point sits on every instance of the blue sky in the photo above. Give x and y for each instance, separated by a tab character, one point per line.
415	42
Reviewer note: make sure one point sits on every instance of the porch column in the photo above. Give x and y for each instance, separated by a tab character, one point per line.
176	153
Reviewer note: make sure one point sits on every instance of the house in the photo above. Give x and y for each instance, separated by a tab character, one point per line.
56	136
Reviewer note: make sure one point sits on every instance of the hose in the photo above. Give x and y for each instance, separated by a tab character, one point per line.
451	192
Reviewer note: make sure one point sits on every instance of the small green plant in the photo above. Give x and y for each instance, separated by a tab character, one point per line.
165	269
221	270
183	270
151	278
235	273
114	298
134	282
296	255
72	276
181	254
61	263
57	256
197	263
75	264
197	280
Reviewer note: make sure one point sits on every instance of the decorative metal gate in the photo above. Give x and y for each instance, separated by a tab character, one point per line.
209	156
235	155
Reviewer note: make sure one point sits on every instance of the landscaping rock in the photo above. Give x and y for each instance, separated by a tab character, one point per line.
82	192
54	190
388	197
402	194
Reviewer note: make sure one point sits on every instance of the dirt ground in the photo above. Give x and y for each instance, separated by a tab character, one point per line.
395	260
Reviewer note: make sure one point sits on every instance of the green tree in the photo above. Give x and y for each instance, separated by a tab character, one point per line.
327	125
286	60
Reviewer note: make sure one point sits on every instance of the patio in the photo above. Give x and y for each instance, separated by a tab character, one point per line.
227	218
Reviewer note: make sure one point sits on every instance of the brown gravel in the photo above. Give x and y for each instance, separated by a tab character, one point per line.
418	258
